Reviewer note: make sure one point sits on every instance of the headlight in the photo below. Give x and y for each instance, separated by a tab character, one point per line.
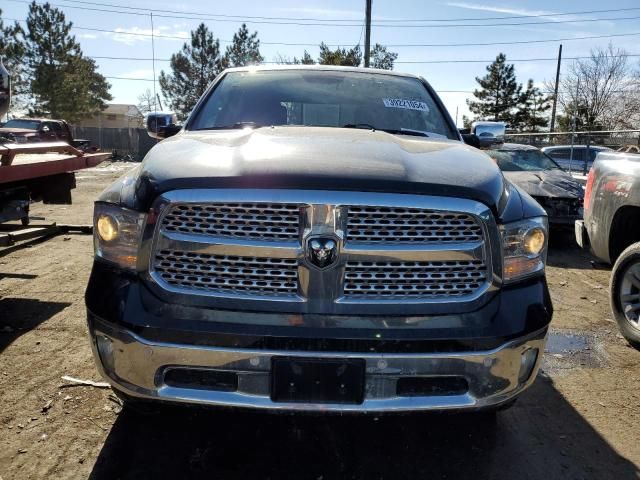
107	227
524	248
116	234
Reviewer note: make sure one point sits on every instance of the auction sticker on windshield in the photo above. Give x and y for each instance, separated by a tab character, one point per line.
406	104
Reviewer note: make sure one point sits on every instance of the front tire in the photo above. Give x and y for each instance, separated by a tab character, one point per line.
625	294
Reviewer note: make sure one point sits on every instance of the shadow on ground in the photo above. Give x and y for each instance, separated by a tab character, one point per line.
19	315
567	254
541	437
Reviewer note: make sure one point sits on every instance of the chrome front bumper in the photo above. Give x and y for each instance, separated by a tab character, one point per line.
137	366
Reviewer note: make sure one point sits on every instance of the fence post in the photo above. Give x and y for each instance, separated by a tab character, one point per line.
587	156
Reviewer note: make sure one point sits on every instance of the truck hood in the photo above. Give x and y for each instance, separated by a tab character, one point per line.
547	183
318	158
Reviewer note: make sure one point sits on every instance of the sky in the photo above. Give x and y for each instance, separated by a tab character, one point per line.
437	24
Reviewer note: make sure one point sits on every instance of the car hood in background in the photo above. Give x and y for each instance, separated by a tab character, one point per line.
318	158
18	131
547	183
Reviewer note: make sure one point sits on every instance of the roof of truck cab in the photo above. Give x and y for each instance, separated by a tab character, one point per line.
335	68
513	146
38	119
595	147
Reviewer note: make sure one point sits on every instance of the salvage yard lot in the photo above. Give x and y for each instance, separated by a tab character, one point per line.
580	420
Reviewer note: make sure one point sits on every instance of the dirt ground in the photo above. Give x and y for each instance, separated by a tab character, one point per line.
581	419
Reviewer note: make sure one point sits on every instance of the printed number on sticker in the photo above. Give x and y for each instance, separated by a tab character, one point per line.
406	104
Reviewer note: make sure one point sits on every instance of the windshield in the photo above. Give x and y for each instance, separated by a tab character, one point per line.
522	160
323	98
26	124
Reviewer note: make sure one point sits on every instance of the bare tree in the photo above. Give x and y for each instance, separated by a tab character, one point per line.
147	102
601	92
282	59
306	59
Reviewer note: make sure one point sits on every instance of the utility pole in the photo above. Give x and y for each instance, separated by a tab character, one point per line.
153	60
367	34
555	93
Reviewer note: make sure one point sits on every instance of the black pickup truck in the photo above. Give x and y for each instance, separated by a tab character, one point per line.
318	238
611	230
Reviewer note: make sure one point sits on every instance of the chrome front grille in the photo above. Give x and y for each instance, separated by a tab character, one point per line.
228	273
252	249
367	224
260	221
413	279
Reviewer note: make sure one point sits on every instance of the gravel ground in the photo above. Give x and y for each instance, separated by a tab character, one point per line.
580	420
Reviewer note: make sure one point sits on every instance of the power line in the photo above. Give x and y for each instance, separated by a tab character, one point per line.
510	60
136	59
403	20
439	91
544	91
391	45
406	61
324	24
483	44
129	78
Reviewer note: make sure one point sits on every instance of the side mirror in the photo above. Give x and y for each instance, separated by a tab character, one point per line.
161	125
489	133
471	139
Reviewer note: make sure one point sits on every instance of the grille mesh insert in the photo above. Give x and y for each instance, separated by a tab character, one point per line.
413	279
228	274
259	221
394	225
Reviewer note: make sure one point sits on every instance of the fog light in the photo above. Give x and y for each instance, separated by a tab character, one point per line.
527	363
107	228
105	350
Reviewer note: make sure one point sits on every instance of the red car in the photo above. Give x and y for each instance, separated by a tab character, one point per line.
26	130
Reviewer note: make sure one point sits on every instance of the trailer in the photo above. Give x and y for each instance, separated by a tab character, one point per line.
38	172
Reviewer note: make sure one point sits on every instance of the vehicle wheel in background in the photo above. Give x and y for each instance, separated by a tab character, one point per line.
625	294
25	220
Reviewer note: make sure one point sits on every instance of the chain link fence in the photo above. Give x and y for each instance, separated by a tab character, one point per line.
614	139
576	151
122	142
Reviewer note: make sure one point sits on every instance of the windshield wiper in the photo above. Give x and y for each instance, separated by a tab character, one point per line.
407	131
365	126
234	126
401	131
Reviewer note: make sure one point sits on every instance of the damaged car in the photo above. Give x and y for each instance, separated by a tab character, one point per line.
312	240
541	177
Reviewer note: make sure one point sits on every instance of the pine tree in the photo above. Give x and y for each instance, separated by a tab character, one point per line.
306	59
192	70
12	55
382	58
245	49
531	109
64	84
499	95
340	56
